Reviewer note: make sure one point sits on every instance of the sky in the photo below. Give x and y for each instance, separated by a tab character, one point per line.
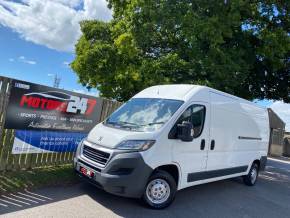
37	39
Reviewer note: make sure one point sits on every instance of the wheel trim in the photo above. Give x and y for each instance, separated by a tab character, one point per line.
253	175
158	191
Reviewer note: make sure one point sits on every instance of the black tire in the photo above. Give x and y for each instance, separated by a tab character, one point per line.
248	179
155	177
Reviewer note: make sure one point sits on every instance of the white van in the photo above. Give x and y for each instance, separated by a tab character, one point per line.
170	137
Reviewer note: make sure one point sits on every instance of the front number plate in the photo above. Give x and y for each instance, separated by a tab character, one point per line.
87	172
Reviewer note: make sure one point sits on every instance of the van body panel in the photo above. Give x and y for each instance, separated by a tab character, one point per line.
239	130
110	137
176	92
235	133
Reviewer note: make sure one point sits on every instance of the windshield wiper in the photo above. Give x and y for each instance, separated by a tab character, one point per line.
153	123
122	124
110	122
127	123
130	125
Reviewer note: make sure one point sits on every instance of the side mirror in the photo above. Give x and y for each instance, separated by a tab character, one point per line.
185	131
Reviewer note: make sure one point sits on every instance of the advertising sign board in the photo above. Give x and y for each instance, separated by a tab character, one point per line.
29	141
37	107
47	119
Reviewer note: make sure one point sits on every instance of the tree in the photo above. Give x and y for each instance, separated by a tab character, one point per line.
237	46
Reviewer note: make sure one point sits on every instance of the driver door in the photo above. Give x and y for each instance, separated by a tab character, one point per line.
192	156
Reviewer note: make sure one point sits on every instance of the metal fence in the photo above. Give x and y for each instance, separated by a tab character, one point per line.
9	161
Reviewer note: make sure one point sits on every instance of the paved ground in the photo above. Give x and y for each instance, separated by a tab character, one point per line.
230	198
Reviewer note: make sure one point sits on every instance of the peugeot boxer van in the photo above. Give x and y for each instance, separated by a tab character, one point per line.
170	137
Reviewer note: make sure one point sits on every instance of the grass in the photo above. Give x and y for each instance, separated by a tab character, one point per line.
37	178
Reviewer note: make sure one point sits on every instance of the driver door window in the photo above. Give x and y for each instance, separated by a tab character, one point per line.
196	115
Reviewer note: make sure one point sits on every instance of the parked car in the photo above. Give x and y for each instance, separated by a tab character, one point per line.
170	137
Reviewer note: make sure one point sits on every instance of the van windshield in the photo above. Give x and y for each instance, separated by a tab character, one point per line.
144	114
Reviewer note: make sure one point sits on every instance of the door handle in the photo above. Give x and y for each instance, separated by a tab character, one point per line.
202	144
212	144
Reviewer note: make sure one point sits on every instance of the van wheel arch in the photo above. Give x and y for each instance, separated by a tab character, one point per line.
256	162
251	178
172	169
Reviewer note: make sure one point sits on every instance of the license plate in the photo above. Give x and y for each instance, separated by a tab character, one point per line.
87	172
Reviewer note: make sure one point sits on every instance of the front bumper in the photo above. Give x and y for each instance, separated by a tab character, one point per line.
126	174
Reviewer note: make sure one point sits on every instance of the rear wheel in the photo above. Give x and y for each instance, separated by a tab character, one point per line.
252	176
160	190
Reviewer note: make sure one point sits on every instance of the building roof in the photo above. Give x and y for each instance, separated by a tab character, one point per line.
275	121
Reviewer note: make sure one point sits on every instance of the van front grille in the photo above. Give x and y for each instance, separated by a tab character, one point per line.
96	155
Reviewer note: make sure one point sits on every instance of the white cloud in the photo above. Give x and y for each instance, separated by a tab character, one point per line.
66	64
94	93
283	111
52	23
71	3
26	61
30	62
11	59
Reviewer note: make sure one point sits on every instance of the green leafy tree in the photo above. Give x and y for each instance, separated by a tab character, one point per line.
237	46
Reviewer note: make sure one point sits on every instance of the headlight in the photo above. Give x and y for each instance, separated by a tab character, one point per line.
135	145
78	151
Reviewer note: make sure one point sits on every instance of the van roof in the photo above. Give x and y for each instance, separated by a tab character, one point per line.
183	92
177	91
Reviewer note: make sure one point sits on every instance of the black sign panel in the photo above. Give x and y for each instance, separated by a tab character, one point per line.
38	107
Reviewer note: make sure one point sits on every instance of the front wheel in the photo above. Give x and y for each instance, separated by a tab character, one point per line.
160	190
252	176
